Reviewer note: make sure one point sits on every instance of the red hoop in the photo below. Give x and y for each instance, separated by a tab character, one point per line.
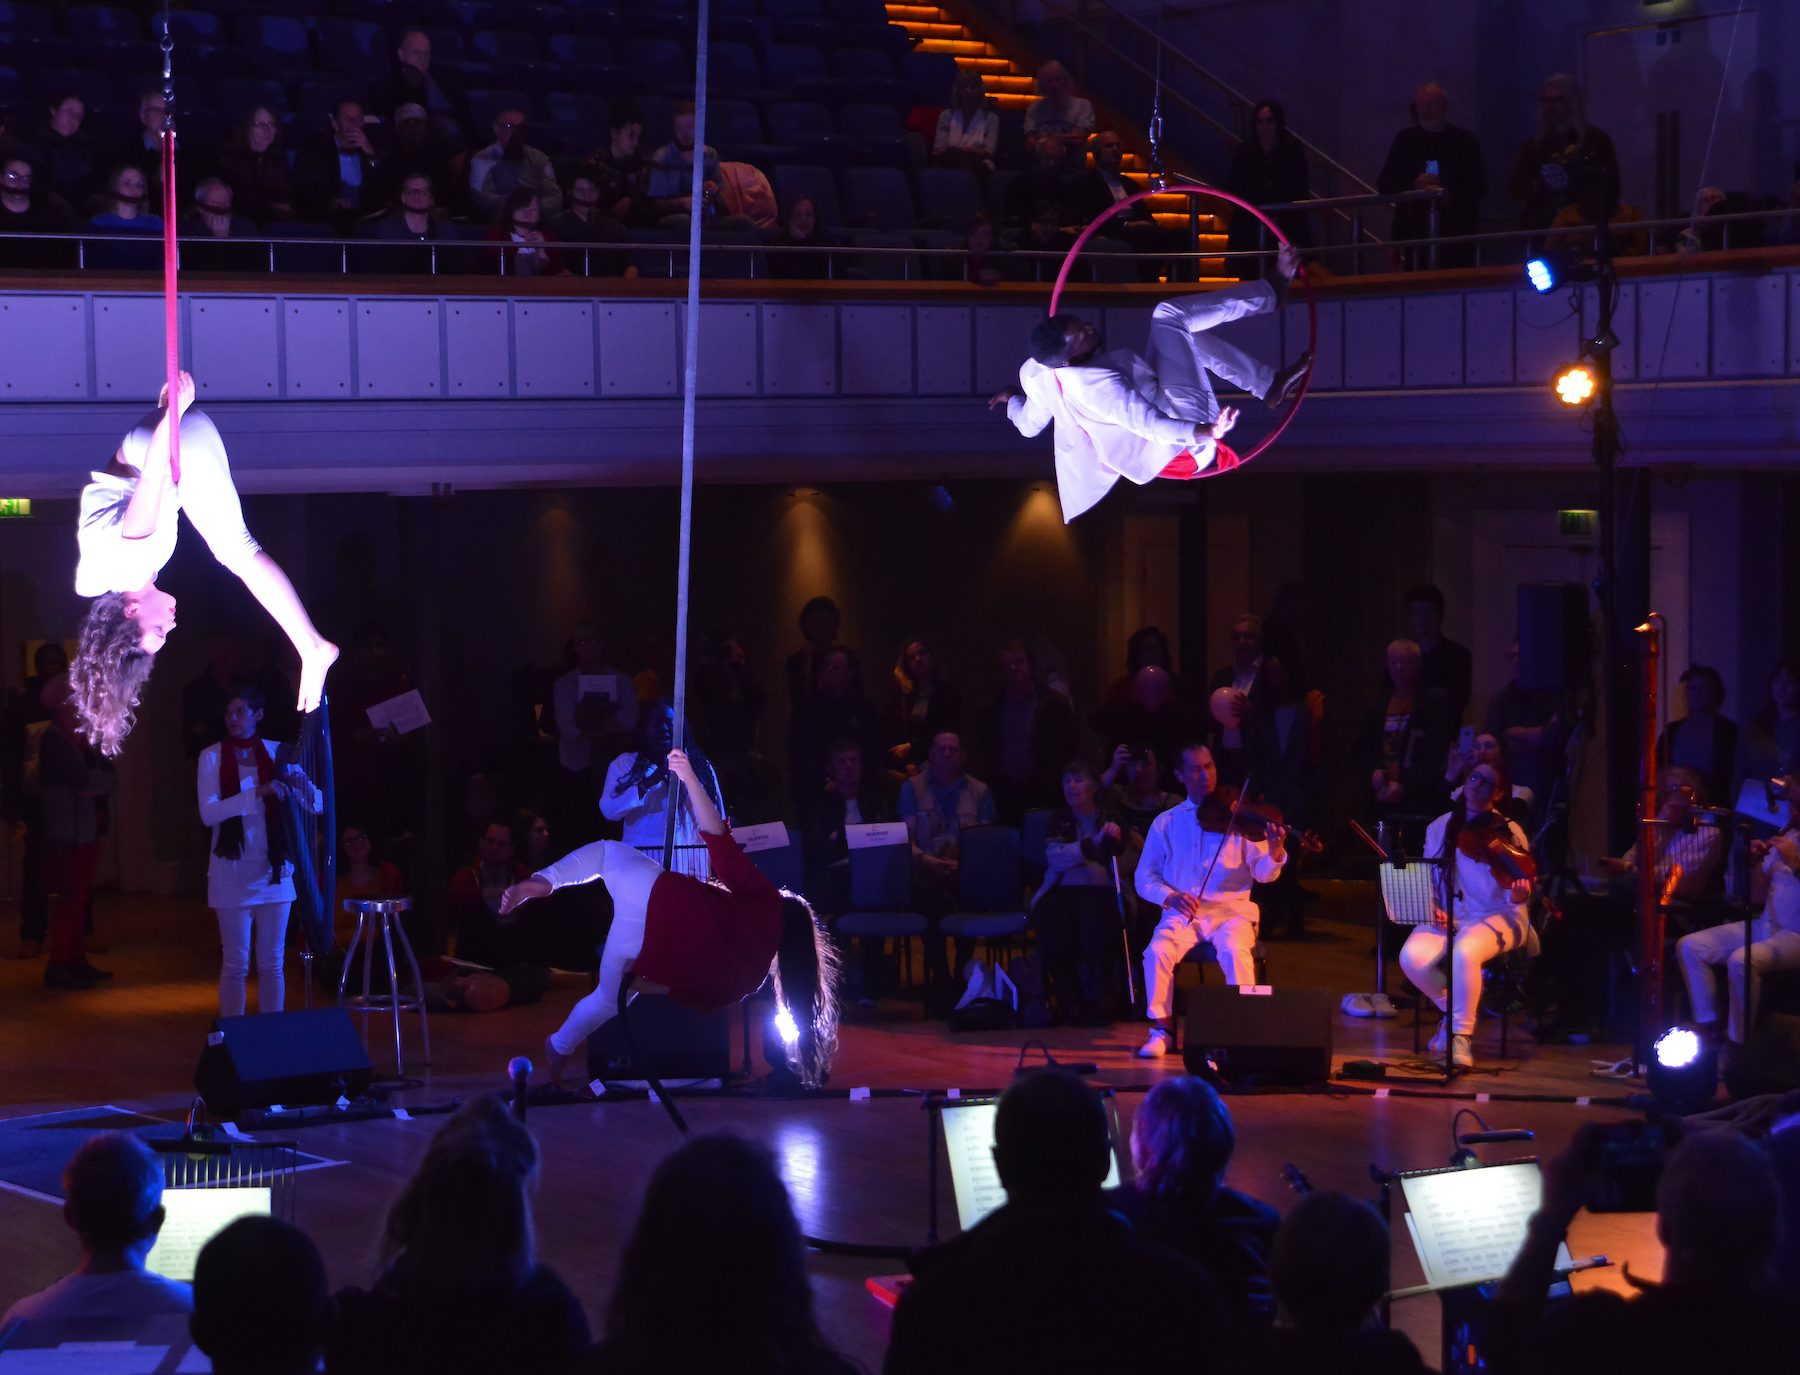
1312	311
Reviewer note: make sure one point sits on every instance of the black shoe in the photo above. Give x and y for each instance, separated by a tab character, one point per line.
97	975
1286	382
66	976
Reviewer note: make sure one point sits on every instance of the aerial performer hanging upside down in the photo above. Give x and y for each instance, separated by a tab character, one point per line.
707	945
129	516
1121	415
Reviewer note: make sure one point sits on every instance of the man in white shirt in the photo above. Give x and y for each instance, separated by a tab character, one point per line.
113	1190
1201	880
1121	415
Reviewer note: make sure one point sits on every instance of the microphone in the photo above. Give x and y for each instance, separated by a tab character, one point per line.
518	1069
1494	1137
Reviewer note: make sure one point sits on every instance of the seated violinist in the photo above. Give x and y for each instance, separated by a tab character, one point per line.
1486	851
1198	867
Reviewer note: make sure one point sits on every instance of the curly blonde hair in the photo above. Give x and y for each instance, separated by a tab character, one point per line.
108	674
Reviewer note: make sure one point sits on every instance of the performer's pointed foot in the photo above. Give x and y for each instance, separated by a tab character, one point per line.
1281	276
555	1063
1287	382
314	665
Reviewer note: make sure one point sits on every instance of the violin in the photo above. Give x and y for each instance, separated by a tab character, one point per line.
1487	839
1226	812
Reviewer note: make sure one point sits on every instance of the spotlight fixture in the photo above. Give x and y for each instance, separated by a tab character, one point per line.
1541	273
1555	266
1575	384
1683	1073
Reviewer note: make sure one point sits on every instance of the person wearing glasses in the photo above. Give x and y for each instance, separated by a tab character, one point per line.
25	210
256	166
1490	914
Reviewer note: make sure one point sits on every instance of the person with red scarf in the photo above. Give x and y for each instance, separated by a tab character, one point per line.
250	880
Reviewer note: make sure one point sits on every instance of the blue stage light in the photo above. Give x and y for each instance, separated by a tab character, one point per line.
1541	274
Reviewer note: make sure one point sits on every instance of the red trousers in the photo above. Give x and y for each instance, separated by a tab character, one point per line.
1182	466
69	875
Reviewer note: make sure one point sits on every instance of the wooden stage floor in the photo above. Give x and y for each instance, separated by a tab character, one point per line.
857	1170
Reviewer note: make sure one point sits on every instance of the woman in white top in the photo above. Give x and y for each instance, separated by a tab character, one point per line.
636	793
250	880
126	533
968	131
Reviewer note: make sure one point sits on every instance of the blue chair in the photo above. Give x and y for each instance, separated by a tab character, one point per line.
806	127
990	886
793	9
926	77
786	65
881	901
485	107
885	266
783	865
798	181
874	134
879	198
191	28
351	47
581	119
870	73
92	25
880	35
23	20
237	96
658	62
949	197
582	49
275	42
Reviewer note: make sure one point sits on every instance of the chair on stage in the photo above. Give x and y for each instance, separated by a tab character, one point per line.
881	892
990	889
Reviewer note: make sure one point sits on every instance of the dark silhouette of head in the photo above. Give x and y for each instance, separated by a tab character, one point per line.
1051	1142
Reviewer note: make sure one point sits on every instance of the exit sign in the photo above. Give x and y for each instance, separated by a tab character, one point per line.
1579	524
15	508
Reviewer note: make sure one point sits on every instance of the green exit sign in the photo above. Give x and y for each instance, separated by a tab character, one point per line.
15	508
1579	524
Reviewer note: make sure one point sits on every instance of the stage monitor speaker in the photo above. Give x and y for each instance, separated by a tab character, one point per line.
291	1058
1553	636
678	1042
1271	1035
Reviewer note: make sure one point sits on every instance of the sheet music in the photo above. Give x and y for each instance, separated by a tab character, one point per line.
1468	1225
969	1142
404	714
194	1217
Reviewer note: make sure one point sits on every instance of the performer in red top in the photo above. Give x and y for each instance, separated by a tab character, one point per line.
708	945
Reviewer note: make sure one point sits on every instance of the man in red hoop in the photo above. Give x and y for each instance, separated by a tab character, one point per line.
1121	415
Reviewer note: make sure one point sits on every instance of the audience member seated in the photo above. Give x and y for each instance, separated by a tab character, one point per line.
361	875
1567	160
411	81
745	194
799	233
1181	1143
1241	677
1026	733
982	264
1445	667
1703	740
65	149
212	218
923	704
1718	1210
622	172
126	191
1769	744
261	1302
1059	117
1329	1269
337	176
1528	726
852	796
636	791
142	148
1150	718
717	1220
255	162
472	903
509	164
414	220
1701	954
113	1188
1432	154
671	179
586	222
1043	182
968	131
1134	780
459	1288
1075	911
524	248
1401	746
936	803
1054	1280
25	210
1268	168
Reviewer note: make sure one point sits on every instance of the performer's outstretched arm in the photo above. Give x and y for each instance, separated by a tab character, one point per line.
706	814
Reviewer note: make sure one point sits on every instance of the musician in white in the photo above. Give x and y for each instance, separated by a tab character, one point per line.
1121	415
1490	914
1201	879
1775	934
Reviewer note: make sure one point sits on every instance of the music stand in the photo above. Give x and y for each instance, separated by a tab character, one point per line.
1414	894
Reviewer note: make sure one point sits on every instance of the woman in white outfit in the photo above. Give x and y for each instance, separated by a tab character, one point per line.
126	533
250	880
637	795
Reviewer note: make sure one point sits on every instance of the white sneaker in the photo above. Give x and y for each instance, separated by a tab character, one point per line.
1462	1055
1380	1005
1156	1047
1357	1005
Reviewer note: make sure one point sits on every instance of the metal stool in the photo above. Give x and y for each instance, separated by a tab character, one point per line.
382	916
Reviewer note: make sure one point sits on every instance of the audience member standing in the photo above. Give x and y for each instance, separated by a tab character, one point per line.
1445	667
1432	154
923	704
1240	677
595	709
1565	162
1027	733
1704	740
1054	1280
1269	168
1402	744
1285	762
1769	744
410	80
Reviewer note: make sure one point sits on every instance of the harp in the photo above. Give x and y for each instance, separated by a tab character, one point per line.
312	838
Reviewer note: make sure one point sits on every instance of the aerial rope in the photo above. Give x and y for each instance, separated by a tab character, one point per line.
171	255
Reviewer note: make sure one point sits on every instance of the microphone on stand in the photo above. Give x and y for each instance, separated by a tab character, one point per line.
518	1069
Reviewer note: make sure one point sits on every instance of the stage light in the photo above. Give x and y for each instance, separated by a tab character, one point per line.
1575	384
785	1026
1541	273
1683	1073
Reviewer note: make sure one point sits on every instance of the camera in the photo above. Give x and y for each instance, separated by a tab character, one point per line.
1628	1164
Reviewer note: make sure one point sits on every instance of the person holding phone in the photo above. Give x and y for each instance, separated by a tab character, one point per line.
1432	154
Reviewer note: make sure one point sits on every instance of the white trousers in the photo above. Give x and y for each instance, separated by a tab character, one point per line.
1477	941
269	921
629	876
1702	952
1232	932
1181	352
210	497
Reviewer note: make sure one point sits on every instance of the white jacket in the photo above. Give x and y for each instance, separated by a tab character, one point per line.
245	881
1107	425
